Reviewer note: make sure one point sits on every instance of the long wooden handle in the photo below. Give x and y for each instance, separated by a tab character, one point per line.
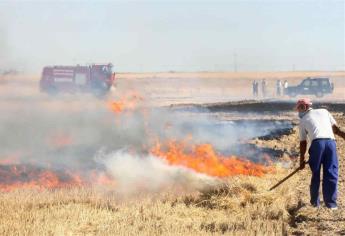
287	177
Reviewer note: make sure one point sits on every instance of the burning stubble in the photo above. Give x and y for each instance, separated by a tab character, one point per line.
89	142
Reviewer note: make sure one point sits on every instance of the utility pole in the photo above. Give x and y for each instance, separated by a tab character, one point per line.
235	62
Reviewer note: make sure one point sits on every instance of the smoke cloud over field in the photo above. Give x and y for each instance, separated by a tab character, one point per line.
80	137
135	173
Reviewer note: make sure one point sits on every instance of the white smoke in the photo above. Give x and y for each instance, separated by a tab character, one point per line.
134	173
87	125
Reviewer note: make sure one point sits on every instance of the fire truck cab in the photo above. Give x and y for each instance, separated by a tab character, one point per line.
96	78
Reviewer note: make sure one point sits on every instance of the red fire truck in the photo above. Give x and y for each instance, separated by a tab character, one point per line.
96	78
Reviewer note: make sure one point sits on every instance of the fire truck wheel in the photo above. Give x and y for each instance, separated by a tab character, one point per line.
105	86
52	91
99	92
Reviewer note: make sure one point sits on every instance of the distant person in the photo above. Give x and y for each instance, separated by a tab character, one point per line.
285	86
255	88
263	87
279	87
319	127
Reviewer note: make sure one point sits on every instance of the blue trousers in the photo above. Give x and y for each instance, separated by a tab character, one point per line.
323	153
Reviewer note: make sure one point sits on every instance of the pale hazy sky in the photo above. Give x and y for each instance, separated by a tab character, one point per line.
174	35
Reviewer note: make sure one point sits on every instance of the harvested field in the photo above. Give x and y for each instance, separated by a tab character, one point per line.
78	165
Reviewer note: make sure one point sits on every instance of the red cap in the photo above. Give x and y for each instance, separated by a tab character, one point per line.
303	102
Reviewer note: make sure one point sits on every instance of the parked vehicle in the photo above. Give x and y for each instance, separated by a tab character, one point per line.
311	86
97	78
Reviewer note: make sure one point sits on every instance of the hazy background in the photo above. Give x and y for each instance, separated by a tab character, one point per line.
141	36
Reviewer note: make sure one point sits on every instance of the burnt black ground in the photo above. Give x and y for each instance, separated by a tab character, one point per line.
259	106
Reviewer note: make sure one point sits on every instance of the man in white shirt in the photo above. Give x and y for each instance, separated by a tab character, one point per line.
319	127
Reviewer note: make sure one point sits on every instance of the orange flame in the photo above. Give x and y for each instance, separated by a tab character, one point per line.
102	179
116	106
129	102
26	176
204	159
21	176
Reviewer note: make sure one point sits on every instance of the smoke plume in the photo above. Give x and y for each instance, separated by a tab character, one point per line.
80	135
134	173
